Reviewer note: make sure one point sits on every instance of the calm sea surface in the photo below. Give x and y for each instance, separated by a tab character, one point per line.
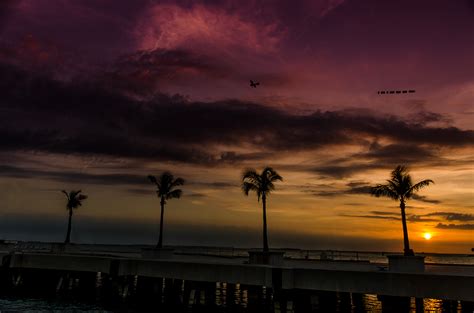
374	257
240	303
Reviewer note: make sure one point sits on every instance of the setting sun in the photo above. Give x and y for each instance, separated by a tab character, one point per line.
427	236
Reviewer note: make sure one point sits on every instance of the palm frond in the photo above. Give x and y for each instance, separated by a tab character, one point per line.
400	171
165	184
422	184
384	191
400	185
66	193
251	175
406	183
271	174
177	182
152	179
262	183
175	194
270	187
74	198
166	177
248	186
276	177
416	187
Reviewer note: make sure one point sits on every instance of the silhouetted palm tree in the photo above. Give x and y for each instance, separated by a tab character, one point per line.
165	190
74	200
400	187
262	184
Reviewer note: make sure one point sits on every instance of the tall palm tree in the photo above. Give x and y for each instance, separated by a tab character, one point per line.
400	187
74	200
262	184
165	190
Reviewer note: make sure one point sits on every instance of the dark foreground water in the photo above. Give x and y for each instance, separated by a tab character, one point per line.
165	295
370	304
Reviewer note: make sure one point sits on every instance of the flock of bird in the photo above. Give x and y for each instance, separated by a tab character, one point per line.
254	84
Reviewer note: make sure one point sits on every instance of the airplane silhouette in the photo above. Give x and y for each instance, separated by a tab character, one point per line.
254	84
386	92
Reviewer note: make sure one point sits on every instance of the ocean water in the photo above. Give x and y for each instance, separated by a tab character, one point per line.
240	303
373	257
32	305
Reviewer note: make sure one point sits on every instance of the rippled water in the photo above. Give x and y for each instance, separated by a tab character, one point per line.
40	305
235	299
370	304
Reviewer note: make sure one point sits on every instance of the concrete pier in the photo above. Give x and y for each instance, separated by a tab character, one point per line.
447	282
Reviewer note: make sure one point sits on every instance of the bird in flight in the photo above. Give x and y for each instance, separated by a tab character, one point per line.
254	84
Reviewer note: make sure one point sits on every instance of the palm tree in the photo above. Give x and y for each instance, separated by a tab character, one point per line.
262	184
165	190
74	200
400	187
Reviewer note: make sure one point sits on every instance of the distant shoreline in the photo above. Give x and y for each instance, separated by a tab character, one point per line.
14	242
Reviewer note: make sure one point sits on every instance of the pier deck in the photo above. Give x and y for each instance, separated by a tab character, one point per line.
448	282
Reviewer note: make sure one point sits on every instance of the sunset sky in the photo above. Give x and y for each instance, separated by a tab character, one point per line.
98	94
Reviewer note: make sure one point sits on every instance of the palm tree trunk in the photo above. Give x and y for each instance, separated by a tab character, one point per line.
68	234
265	237
406	243
160	240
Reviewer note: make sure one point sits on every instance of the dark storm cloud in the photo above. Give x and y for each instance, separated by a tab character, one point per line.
140	192
358	187
95	29
385	213
341	171
451	216
470	4
456	226
196	195
381	217
102	179
400	152
74	177
448	216
425	199
354	187
151	191
362	188
326	193
420	218
233	157
142	72
217	184
423	116
379	156
81	118
391	216
6	7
